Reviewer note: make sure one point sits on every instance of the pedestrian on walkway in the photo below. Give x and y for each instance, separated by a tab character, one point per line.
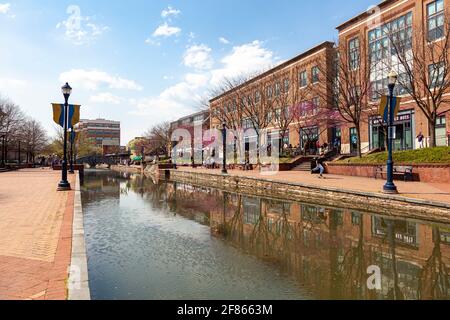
319	168
420	139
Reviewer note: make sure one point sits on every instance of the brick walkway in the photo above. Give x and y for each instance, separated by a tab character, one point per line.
35	235
439	192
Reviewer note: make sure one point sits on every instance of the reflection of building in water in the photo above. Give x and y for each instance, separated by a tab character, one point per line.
108	185
326	250
330	250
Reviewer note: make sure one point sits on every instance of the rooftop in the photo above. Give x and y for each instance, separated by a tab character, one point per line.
192	115
364	15
325	44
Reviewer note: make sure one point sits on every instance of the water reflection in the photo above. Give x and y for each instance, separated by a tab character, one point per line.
324	251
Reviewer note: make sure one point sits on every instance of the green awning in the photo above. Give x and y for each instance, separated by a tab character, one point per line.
137	158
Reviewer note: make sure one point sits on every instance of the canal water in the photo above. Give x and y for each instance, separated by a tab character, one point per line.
165	240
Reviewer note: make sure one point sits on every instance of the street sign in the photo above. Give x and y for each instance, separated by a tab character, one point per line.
392	134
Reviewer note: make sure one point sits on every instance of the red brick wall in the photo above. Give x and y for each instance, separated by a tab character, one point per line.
424	173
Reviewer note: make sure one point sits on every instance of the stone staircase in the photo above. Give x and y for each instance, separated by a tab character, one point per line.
305	165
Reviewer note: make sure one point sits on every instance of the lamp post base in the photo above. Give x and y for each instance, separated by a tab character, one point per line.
64	186
390	189
224	171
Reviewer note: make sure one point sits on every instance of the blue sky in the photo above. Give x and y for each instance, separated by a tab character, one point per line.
143	62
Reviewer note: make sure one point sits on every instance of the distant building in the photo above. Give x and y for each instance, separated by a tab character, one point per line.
104	133
200	119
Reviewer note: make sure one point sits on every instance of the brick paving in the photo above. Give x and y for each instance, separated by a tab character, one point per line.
35	235
439	192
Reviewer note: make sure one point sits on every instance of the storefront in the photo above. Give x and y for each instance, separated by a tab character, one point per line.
308	139
441	132
404	132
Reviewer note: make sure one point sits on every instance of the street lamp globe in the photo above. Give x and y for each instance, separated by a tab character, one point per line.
392	78
66	90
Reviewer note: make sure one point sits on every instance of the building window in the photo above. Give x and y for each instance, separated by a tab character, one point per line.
382	52
269	92
286	85
435	20
436	74
353	53
303	79
441	131
356	219
199	118
315	105
277	89
315	74
257	96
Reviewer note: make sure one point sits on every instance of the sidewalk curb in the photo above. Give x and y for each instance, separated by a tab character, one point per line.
78	278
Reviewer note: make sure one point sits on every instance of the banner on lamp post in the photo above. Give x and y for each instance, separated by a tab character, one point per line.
59	114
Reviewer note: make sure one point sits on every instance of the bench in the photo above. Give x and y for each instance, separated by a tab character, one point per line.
406	172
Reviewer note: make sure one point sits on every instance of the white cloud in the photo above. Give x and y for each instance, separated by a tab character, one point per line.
93	79
4	8
224	40
198	57
6	83
152	42
184	97
196	80
170	104
106	97
165	30
80	29
166	13
245	59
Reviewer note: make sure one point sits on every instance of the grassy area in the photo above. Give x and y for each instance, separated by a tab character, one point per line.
429	155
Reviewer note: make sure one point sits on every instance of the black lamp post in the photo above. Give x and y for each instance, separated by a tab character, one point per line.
2	163
71	171
64	184
390	187
224	144
19	153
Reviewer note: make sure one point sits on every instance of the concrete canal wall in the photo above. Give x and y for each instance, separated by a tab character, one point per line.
78	285
128	169
325	196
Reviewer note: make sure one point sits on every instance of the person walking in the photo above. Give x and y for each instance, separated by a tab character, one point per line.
420	139
319	168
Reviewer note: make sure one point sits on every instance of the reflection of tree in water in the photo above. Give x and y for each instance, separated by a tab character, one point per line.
353	268
334	264
434	278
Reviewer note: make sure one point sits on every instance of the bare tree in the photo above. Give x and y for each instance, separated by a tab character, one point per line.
349	79
285	97
425	70
11	121
34	137
159	138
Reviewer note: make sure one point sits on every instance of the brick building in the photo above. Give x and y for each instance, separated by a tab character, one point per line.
104	133
370	36
366	39
200	120
283	102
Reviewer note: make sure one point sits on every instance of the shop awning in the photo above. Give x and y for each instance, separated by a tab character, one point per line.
139	158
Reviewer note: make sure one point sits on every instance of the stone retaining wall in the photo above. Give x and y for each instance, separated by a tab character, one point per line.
388	205
429	173
127	169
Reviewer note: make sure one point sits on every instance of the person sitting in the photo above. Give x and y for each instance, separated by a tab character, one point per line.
319	168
